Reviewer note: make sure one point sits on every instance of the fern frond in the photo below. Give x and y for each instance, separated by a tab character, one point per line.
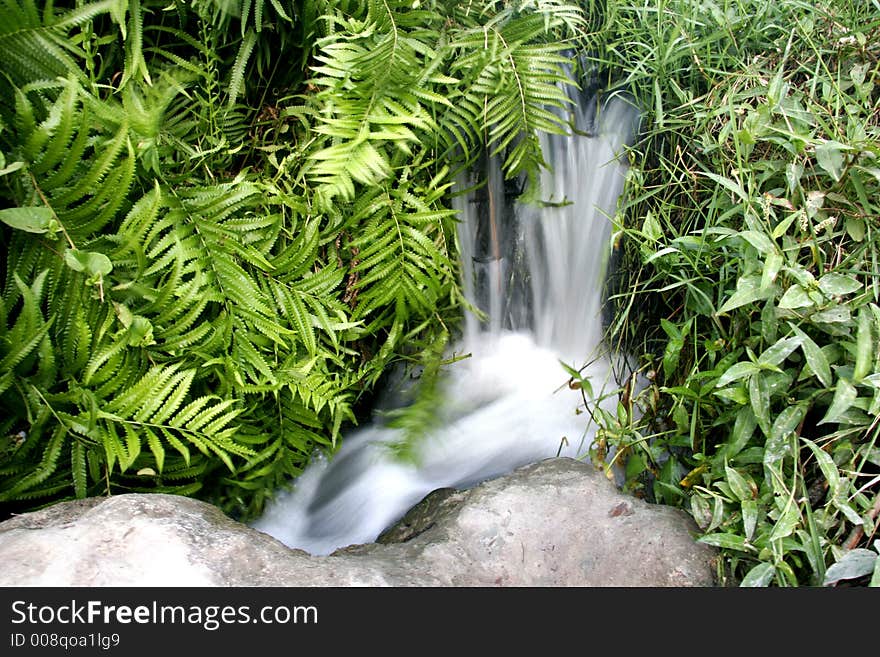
236	79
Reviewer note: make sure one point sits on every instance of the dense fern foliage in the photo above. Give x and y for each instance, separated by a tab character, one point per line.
224	220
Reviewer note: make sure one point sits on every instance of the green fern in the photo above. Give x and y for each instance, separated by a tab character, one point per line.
395	80
211	253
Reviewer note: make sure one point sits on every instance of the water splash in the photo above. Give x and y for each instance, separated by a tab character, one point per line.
537	274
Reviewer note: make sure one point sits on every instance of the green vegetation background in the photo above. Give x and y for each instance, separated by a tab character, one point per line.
224	220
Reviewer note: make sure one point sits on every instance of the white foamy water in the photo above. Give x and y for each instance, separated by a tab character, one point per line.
538	275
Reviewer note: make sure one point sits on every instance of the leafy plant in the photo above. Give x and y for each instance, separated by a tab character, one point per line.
224	221
750	234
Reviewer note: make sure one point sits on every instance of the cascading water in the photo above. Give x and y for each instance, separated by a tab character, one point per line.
537	273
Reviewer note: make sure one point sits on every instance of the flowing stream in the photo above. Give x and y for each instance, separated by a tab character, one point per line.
537	274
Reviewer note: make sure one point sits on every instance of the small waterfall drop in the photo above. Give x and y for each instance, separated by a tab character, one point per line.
537	274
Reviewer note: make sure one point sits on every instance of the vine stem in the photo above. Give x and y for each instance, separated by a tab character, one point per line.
49	205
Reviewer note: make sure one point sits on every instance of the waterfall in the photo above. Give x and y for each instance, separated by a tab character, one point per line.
537	275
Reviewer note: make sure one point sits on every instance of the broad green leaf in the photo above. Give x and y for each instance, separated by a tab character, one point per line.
844	396
855	228
748	290
743	429
738	394
740	485
834	284
815	358
857	73
838	314
769	322
651	227
759	398
727	541
788	421
785	223
866	348
750	517
830	158
795	297
736	372
11	168
760	241
856	563
772	265
89	262
140	332
842	504
777	446
777	89
815	201
827	466
793	173
787	522
778	352
669	328
730	185
760	575
30	219
701	511
717	513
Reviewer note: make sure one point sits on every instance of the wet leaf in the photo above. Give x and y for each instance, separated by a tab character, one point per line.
760	241
815	201
739	485
778	352
795	297
750	517
772	265
727	541
834	315
777	446
827	466
736	372
760	575
759	397
743	429
834	284
793	173
856	563
701	511
787	522
815	357
748	290
844	396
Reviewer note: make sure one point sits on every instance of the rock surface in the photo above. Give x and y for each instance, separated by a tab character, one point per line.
554	523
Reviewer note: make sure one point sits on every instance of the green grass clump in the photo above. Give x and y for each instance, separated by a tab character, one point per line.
750	235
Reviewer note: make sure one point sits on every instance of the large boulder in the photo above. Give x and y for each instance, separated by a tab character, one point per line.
554	523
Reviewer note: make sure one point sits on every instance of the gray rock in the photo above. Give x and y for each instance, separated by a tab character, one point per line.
554	523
